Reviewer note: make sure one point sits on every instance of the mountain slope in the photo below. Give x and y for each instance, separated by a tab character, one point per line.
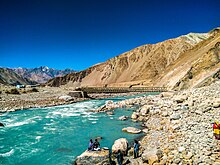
9	77
161	64
41	74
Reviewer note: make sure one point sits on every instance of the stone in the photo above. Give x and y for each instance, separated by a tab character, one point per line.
131	130
134	116
145	130
150	156
1	125
120	144
93	157
110	113
167	94
144	110
181	149
66	98
123	118
181	99
216	103
175	116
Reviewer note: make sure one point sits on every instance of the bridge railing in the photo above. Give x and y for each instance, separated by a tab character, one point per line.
121	89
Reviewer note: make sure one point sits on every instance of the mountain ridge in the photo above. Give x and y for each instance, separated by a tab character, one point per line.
29	76
144	65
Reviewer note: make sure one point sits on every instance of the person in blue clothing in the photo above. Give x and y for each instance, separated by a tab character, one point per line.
136	148
90	148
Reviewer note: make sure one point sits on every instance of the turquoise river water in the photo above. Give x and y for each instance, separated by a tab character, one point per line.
57	135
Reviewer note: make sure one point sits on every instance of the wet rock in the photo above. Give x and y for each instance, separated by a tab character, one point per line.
123	118
131	130
1	125
110	113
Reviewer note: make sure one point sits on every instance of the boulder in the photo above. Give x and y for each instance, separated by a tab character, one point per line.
175	116
110	113
66	98
120	144
134	115
1	125
131	130
93	157
181	98
145	110
152	156
167	94
123	118
216	103
78	94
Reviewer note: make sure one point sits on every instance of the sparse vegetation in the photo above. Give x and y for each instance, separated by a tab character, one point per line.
34	90
13	91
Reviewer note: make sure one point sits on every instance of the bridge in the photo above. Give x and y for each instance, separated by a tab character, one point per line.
120	89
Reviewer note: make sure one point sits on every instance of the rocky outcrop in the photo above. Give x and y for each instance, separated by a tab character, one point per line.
93	157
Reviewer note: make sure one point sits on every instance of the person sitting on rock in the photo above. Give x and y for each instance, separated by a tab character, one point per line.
216	130
96	145
136	148
90	145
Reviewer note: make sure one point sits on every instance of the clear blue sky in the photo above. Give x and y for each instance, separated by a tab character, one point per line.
79	33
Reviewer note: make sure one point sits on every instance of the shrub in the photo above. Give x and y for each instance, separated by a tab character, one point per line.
35	90
14	91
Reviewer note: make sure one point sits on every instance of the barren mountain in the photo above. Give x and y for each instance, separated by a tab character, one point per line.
9	77
182	62
41	74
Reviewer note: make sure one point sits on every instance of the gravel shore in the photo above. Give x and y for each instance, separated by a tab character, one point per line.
46	97
177	127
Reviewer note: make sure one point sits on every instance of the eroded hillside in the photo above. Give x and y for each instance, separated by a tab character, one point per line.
163	64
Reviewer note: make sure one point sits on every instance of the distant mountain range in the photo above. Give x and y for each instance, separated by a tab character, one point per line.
187	61
14	76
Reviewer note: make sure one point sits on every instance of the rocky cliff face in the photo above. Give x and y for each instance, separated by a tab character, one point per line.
162	64
41	74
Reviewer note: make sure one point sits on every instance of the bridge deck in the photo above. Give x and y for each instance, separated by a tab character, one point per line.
120	89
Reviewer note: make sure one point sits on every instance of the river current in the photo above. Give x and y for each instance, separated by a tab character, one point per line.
57	135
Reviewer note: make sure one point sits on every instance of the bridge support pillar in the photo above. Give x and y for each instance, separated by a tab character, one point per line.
78	94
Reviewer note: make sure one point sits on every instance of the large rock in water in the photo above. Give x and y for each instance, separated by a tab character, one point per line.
131	130
93	157
120	144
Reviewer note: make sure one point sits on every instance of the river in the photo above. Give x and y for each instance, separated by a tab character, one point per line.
57	135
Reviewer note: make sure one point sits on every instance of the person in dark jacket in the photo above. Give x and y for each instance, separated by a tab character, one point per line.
96	145
119	157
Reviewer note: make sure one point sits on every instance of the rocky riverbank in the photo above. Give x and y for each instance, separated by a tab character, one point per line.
45	97
177	126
